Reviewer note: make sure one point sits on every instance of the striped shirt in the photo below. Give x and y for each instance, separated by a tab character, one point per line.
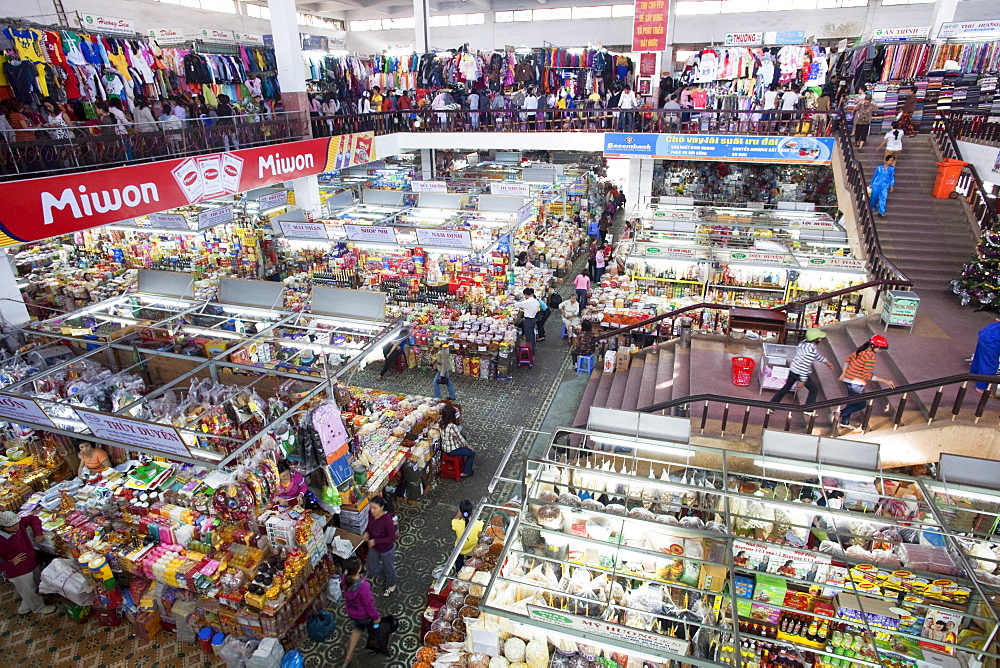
805	355
860	366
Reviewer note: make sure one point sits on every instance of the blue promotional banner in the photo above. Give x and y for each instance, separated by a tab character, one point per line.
724	148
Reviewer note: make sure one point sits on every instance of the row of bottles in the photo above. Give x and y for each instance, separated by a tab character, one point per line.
805	627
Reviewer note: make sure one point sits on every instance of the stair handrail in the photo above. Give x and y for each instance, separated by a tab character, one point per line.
881	284
943	132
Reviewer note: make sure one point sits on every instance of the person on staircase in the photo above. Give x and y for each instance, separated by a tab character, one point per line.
906	113
883	181
863	119
802	367
859	370
893	141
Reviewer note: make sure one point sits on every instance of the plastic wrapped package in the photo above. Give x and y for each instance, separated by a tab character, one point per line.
499	662
448	613
442	626
616	509
536	654
548	496
640	513
550	517
64	578
514	649
568	499
592	504
646	598
928	558
692	522
667	519
478	661
456	598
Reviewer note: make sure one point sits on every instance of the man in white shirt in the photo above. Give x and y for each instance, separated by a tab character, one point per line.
789	100
530	307
178	110
626	123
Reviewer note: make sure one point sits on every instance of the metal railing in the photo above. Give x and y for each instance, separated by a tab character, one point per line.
947	130
83	146
970	124
808	412
680	121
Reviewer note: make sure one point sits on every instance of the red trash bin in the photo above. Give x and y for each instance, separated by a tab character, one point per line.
743	371
949	170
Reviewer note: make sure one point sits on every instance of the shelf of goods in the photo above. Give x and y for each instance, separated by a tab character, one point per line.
157	359
737	183
663	551
558	241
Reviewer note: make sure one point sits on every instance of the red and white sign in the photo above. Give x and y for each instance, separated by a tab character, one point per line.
647	64
510	189
370	233
429	186
23	410
160	438
173	221
744	39
207	219
51	206
164	36
813	224
273	199
300	230
216	36
253	40
649	25
450	238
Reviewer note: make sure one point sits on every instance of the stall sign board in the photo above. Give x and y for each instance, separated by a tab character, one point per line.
989	29
510	189
756	257
23	410
837	263
274	199
647	64
45	207
139	433
164	36
210	36
450	238
168	220
785	37
726	148
915	34
523	214
599	627
296	229
429	186
207	219
252	40
672	252
744	38
370	233
107	24
813	224
649	25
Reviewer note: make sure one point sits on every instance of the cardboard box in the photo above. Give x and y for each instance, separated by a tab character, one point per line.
622	359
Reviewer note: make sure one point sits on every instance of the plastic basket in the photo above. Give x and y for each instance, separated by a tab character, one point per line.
742	371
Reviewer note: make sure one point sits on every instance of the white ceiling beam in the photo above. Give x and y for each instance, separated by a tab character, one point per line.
328	6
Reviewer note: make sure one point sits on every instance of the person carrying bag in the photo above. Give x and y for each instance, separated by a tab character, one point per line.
359	604
443	366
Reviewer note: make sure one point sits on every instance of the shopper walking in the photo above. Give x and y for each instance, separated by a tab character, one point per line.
381	539
883	181
892	141
530	306
906	113
600	261
452	441
393	350
863	119
859	370
543	315
18	562
592	251
459	524
802	367
582	284
570	310
443	366
359	604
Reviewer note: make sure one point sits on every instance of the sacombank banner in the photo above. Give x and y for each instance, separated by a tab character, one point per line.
725	148
40	208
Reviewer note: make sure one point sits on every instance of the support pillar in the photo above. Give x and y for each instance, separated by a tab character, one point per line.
639	187
427	164
12	308
307	194
291	66
944	12
421	27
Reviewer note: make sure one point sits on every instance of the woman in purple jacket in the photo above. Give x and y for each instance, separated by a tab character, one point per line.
359	604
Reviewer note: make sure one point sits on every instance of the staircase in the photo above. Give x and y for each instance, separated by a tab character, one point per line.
929	239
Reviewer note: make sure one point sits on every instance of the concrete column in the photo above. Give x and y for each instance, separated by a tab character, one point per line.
427	164
944	12
421	27
633	185
307	194
12	308
288	53
645	186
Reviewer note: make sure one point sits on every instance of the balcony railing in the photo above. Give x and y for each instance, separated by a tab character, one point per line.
82	148
948	130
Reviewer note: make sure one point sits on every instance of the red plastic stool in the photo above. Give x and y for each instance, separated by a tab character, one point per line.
525	355
451	467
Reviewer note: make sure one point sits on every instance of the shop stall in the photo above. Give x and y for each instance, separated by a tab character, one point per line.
647	550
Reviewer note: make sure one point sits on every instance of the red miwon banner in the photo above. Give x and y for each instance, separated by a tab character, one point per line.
649	26
41	208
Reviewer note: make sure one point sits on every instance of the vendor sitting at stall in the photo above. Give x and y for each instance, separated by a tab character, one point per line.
93	461
292	485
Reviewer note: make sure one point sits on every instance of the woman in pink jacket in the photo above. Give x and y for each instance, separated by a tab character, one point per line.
359	604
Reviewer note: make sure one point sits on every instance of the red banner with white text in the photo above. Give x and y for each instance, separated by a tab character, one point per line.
40	208
649	25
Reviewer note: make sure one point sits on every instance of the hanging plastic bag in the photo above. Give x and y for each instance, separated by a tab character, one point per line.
333	591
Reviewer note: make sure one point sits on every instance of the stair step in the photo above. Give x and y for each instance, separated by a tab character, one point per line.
604	389
588	399
648	381
681	373
663	386
617	393
630	398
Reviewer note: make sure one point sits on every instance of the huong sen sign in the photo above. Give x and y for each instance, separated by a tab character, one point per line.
160	438
46	207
